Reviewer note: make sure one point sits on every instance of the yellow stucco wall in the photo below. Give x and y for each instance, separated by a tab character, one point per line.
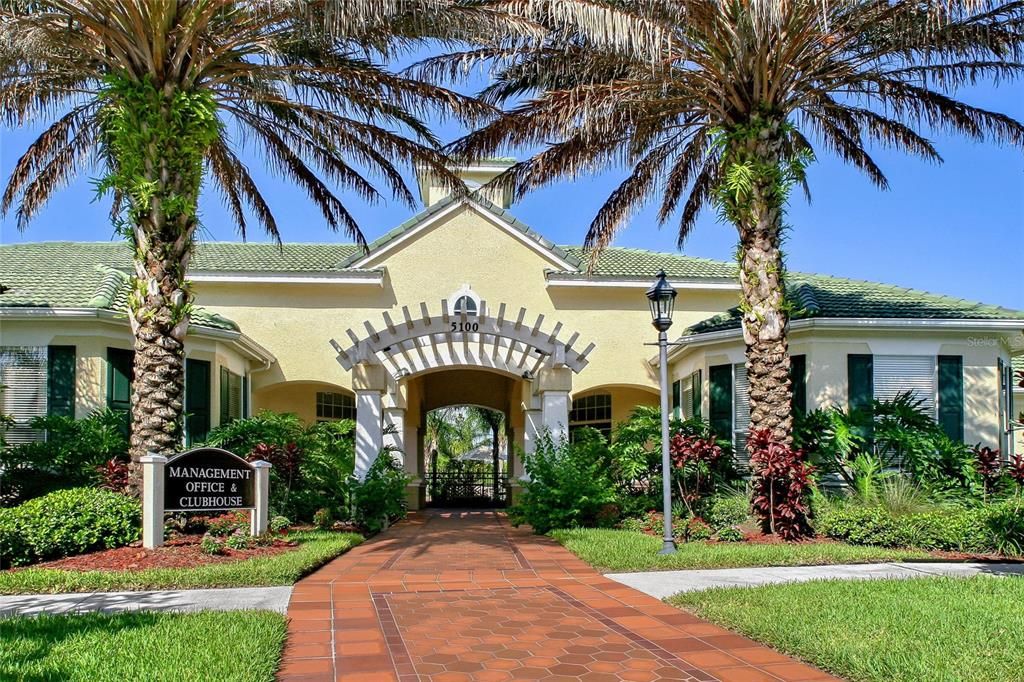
296	322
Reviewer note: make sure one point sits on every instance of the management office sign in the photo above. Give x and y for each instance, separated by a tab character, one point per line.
209	479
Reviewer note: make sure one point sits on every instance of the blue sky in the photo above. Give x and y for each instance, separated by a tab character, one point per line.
955	228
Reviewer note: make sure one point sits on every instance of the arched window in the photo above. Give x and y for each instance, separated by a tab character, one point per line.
465	304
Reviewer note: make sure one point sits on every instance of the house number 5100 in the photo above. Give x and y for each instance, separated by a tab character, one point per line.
465	326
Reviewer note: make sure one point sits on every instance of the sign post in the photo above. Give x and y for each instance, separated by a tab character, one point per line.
152	500
261	513
202	480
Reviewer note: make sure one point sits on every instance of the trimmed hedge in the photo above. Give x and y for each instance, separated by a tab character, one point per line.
65	523
991	528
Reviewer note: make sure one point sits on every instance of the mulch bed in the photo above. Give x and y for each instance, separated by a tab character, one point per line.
180	552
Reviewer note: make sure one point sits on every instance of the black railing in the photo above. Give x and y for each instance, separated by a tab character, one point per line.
466	489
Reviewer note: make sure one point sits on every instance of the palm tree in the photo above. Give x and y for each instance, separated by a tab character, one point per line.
492	422
163	95
718	102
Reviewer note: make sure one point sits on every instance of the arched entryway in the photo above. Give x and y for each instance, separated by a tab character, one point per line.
402	369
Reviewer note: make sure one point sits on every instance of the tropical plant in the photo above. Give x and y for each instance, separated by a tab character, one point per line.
709	102
693	462
379	498
491	422
162	95
781	484
71	455
311	465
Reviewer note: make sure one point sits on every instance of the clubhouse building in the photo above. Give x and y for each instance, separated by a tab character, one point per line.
465	304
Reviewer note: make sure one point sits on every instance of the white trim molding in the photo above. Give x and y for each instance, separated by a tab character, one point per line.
244	343
684	343
375	277
711	284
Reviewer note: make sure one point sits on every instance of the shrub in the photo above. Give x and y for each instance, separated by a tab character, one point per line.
987	528
68	458
569	485
211	545
1015	470
727	510
380	498
114	475
323	519
227	524
729	534
781	483
238	540
279	524
67	522
697	529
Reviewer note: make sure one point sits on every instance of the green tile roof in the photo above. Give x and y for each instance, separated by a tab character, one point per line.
75	275
620	263
822	296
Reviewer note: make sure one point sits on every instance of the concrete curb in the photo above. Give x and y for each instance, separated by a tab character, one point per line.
174	601
663	584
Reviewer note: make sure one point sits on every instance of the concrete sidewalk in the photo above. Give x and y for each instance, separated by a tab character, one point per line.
663	584
230	599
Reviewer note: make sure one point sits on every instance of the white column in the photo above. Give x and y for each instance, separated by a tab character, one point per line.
152	500
261	514
394	420
555	414
369	436
533	428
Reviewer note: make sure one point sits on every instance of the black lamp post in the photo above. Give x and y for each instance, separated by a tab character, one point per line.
662	299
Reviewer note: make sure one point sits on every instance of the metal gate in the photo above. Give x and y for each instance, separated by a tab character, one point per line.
466	489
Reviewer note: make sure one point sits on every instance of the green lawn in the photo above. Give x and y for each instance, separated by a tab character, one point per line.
916	630
624	550
241	646
315	549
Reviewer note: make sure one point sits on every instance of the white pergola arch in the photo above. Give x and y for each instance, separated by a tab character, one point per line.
498	342
517	346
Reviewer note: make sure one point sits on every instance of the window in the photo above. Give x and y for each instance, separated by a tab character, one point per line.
331	406
23	376
465	304
230	396
594	411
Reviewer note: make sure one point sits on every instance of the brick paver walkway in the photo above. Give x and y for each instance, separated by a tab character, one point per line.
460	596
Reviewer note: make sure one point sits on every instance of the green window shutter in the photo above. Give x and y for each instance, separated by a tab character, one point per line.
120	364
695	383
951	396
197	401
60	381
798	375
860	376
677	400
225	391
720	378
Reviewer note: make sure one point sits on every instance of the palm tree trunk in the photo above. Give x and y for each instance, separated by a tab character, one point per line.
762	272
158	387
162	231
